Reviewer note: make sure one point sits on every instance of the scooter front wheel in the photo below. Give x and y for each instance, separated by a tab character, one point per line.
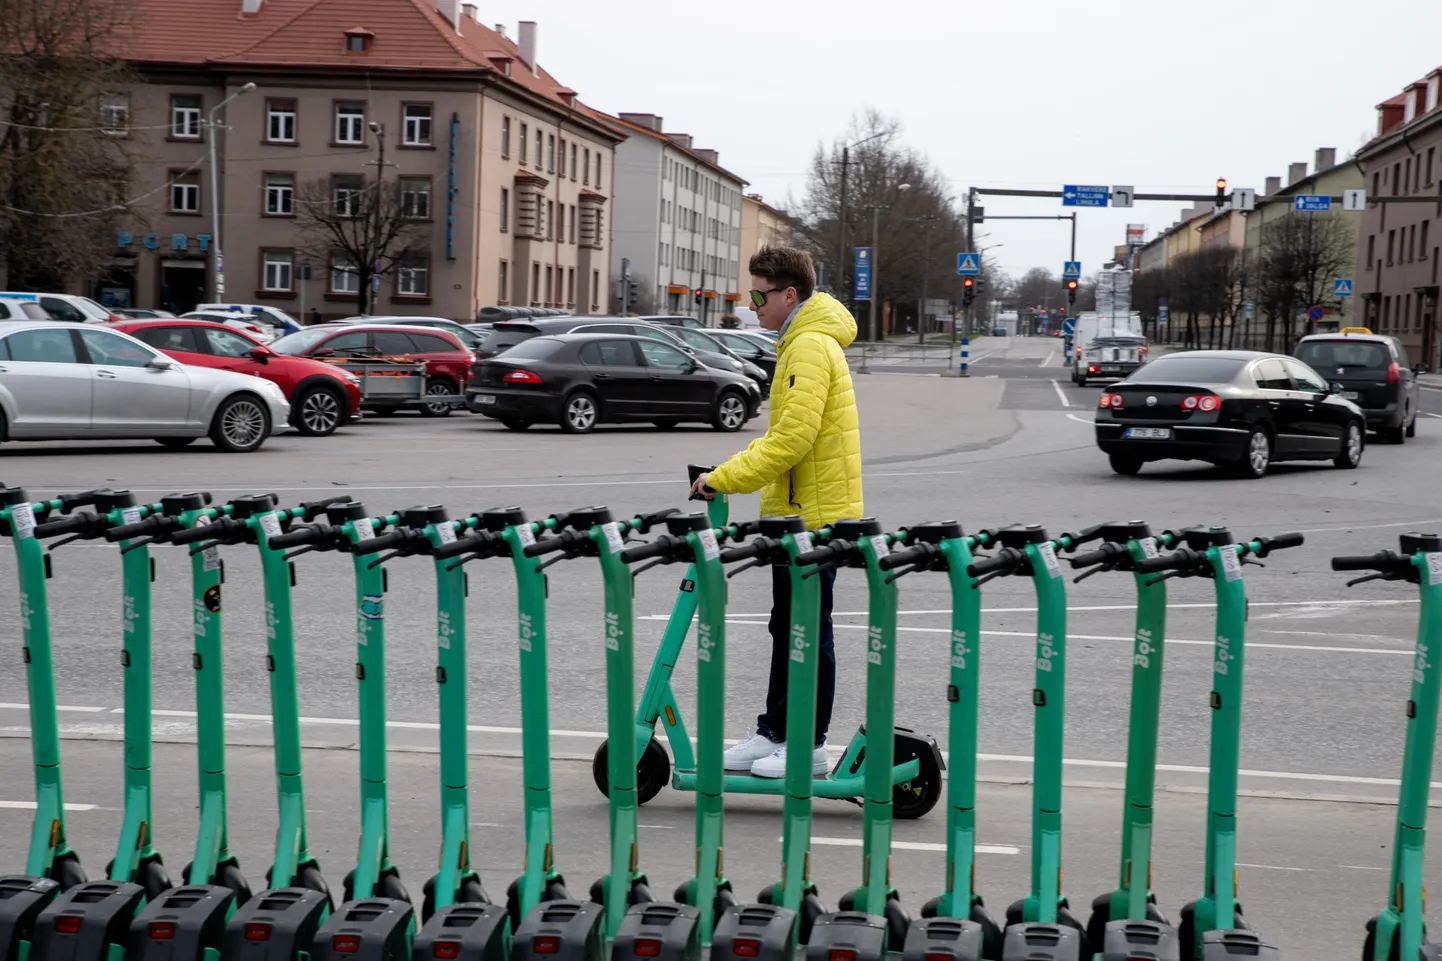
309	877
67	872
653	770
229	876
915	798
152	876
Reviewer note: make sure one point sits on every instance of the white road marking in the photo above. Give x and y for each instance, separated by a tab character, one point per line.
1060	393
58	707
1046	359
1072	609
1430	414
1270	867
913	845
1363	867
1081	420
30	806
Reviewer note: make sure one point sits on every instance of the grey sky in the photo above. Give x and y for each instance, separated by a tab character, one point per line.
1165	95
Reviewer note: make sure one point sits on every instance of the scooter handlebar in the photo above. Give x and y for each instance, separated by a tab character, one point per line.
154	524
313	508
218	529
83	522
1000	561
660	547
906	555
836	550
1280	542
642	523
549	545
746	551
297	537
1099	556
1087	535
69	502
474	541
391	538
1382	560
1178	560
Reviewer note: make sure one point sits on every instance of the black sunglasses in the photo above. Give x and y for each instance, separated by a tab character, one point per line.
758	297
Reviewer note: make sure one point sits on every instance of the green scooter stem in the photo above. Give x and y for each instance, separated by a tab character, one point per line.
47	835
960	894
540	868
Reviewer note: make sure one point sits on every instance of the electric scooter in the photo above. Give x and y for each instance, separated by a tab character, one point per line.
1400	931
1126	922
376	919
918	785
956	923
1041	925
1212	926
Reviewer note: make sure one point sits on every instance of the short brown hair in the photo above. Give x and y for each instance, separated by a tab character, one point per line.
785	267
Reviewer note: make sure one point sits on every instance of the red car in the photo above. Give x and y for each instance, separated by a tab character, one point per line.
322	397
447	360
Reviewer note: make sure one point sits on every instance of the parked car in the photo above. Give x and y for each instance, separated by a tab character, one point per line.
60	381
283	322
708	352
1374	372
707	341
322	396
448	362
1236	408
141	313
673	320
754	350
76	309
580	380
466	336
22	310
245	323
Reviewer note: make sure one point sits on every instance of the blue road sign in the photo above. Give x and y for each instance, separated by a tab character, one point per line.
863	258
1071	270
968	264
1315	313
1068	325
1162	314
1311	202
1073	195
1342	288
863	282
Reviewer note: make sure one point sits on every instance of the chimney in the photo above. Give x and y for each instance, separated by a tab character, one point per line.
1296	172
680	139
451	10
249	7
526	40
710	156
501	29
648	120
1326	159
1274	184
468	10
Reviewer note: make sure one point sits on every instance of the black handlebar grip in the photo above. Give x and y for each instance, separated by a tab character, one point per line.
1282	541
1098	556
661	546
547	545
748	528
743	553
647	521
1364	562
82	499
1087	534
72	523
997	562
907	555
217	528
153	524
392	538
313	508
820	554
462	545
295	538
1175	561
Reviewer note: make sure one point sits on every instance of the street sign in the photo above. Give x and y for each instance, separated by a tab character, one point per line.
1162	314
1250	308
1354	199
1315	313
1136	233
863	282
968	264
1071	270
1311	202
1244	198
1342	287
1068	326
1084	196
863	257
1122	196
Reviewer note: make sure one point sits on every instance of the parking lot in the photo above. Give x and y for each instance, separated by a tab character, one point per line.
1326	671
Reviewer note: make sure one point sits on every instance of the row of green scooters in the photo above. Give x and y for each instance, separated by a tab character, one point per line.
51	912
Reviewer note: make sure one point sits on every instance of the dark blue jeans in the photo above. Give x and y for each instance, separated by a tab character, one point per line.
772	724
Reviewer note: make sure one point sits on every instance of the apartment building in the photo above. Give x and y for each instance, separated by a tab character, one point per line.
677	221
761	226
1397	250
507	175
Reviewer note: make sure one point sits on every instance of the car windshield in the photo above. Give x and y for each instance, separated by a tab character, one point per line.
1344	355
301	341
537	348
1178	367
505	338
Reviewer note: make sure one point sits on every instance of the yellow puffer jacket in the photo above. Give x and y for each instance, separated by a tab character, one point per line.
809	460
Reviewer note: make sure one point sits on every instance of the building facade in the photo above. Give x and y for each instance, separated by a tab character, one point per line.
505	174
677	223
761	226
1396	280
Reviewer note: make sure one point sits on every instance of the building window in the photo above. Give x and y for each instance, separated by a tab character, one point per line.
1430	152
550	273
185	193
277	270
505	139
1396	178
539	158
358	41
279	195
573	163
523	144
416	198
1391	246
561	157
416	125
574	218
115	113
550	219
1371	249
595	289
413	277
1412	244
586	170
505	211
551	153
599	182
535	282
1425	225
344	277
280	121
503	289
1386	312
561	223
346	196
1376	184
185	118
1407	175
661	254
350	123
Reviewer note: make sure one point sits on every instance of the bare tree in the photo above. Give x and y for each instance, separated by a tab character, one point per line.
1038	287
64	154
362	227
1296	264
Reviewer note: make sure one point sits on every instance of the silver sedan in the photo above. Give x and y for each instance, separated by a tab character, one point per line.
62	381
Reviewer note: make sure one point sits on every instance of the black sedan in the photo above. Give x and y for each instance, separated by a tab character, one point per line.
580	380
1234	408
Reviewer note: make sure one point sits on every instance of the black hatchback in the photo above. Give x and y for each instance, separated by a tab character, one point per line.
1373	372
580	380
1235	408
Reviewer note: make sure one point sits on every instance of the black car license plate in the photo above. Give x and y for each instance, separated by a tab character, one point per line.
484	400
1149	433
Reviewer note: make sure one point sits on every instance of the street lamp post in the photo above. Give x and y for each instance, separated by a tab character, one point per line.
840	285
875	276
215	192
379	129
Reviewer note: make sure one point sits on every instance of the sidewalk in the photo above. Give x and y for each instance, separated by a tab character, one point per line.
1430	381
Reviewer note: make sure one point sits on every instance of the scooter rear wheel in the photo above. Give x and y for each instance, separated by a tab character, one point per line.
309	877
389	885
229	876
915	798
67	872
653	770
897	923
152	876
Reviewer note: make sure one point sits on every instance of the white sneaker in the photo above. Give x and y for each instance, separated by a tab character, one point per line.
774	765
740	758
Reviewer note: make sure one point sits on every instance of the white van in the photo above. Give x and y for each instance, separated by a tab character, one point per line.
273	316
80	310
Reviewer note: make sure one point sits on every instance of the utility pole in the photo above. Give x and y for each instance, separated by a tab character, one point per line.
970	245
925	276
625	286
841	229
373	241
875	272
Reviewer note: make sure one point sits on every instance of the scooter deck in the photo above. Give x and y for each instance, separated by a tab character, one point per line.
830	788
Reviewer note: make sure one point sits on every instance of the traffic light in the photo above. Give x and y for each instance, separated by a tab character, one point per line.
697	294
968	291
633	291
1221	193
1071	291
976	214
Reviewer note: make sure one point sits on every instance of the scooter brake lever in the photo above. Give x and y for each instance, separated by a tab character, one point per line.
1382	576
1085	574
56	545
744	567
637	571
909	569
297	552
203	546
1252	560
987	577
823	566
1167	576
136	544
383	558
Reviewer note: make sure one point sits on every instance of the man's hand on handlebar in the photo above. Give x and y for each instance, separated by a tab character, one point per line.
699	488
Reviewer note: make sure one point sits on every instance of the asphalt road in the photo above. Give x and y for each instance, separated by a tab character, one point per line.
1327	668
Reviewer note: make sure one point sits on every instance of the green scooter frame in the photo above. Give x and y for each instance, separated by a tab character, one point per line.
1216	917
1400	931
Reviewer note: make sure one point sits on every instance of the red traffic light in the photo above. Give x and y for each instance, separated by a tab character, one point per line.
1071	285
968	282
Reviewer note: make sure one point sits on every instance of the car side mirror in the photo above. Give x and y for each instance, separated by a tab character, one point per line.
1421	369
1334	388
260	354
691	365
161	363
